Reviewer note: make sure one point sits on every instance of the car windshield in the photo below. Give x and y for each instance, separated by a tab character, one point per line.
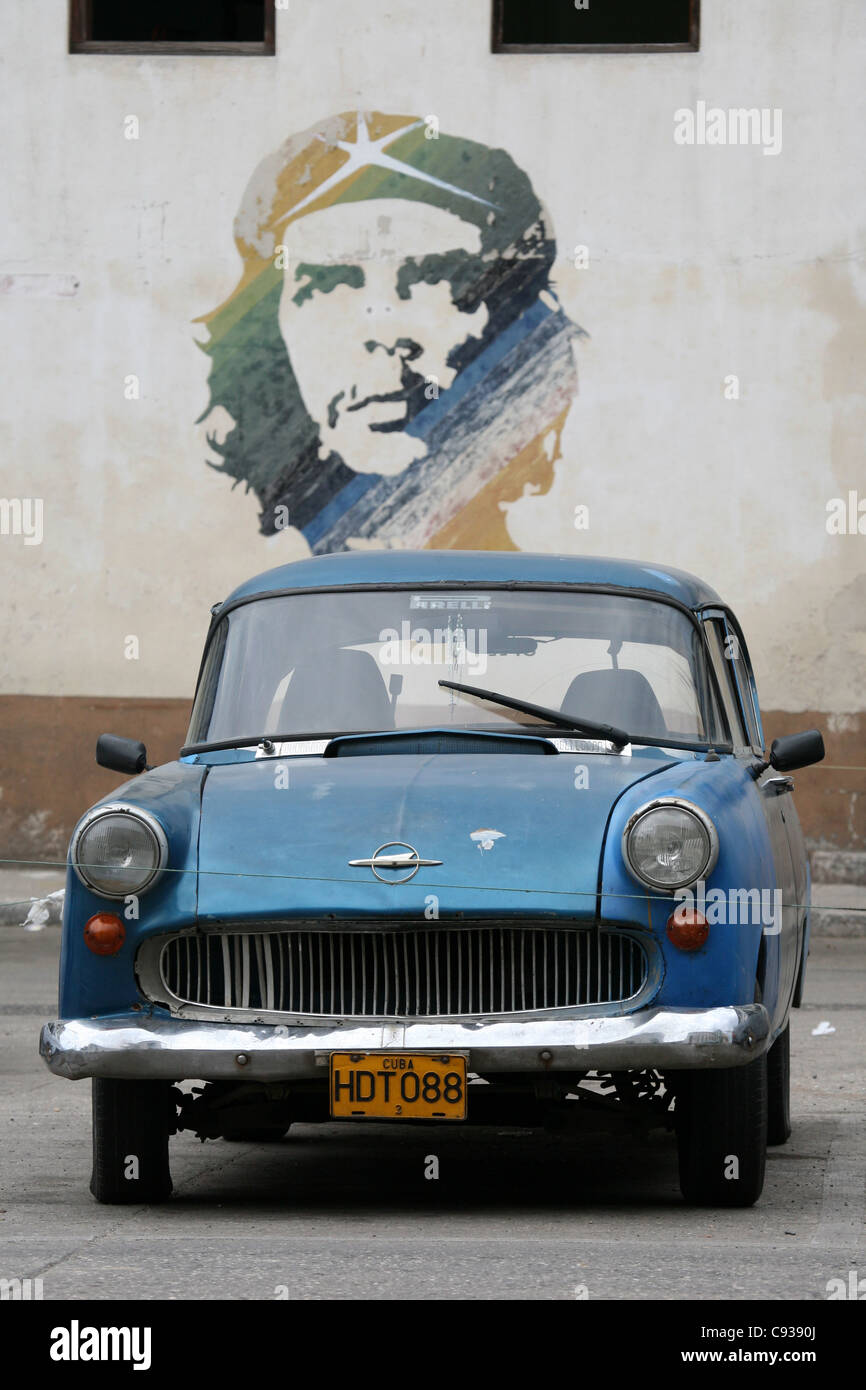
353	661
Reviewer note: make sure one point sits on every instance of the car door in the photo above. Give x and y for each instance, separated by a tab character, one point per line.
783	937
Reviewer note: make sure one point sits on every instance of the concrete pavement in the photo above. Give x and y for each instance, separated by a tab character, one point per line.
345	1212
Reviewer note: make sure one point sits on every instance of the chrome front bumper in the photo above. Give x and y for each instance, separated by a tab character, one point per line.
178	1050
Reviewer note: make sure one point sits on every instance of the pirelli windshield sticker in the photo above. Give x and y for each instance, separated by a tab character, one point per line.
452	602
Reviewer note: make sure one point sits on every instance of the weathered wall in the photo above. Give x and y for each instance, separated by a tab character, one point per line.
704	263
50	776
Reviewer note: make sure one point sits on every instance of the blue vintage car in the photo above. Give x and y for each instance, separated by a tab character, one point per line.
454	837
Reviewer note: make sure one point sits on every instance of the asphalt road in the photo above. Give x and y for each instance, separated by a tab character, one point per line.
345	1212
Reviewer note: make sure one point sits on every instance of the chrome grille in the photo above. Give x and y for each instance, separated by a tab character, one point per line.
404	973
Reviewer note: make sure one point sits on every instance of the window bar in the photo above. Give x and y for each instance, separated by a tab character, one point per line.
227	972
534	990
402	970
399	976
580	992
566	937
238	982
245	959
385	968
281	970
234	943
598	966
375	954
258	941
501	1008
472	939
393	967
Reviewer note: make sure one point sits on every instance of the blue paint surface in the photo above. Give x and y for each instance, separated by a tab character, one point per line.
473	567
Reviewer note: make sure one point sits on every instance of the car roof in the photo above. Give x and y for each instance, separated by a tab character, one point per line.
368	567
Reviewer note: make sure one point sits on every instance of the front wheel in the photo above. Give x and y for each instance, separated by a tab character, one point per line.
721	1124
132	1121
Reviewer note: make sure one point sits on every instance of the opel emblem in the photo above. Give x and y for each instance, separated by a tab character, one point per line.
386	857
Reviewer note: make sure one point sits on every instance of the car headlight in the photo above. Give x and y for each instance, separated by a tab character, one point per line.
117	850
669	844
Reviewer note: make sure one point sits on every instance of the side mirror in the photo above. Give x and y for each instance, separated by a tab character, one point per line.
121	754
797	750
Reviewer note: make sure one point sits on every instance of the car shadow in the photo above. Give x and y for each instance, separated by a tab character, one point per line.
365	1167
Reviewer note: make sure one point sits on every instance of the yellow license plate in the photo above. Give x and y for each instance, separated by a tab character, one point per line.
398	1086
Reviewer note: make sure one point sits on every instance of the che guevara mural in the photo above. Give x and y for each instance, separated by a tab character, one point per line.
393	367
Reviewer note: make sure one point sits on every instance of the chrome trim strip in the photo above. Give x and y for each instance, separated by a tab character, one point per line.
296	748
175	1050
587	745
315	747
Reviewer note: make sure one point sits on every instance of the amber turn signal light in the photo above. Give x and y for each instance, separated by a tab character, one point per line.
687	929
104	934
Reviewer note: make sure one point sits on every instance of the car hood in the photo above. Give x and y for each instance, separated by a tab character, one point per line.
277	835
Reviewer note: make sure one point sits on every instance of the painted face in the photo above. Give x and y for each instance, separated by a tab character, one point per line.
369	321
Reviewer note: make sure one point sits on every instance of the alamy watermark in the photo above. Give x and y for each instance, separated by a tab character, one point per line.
846	516
22	516
455	646
853	1288
756	907
77	1343
712	125
20	1290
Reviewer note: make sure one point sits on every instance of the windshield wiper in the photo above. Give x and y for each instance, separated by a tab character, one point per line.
553	716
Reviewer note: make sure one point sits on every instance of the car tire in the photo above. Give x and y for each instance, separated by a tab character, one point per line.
721	1125
270	1135
132	1121
779	1088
